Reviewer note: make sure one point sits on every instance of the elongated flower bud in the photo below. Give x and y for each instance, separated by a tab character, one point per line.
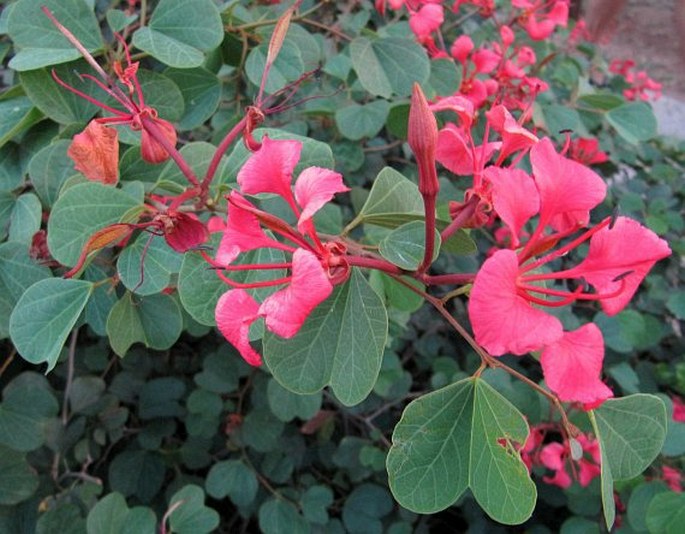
423	140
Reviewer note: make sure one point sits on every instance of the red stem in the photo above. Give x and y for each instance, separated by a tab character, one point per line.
429	210
152	128
459	221
220	151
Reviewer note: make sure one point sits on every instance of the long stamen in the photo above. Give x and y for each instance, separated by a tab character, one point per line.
563	250
253	285
578	294
123	101
87	97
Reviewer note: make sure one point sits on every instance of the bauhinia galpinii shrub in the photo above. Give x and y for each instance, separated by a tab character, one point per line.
315	180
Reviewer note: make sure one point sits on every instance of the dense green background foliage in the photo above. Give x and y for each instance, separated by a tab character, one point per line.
148	417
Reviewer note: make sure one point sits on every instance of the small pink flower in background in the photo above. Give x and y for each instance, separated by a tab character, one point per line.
678	409
641	85
539	19
586	151
673	478
315	266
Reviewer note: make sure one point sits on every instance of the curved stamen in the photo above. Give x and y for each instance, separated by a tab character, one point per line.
253	285
123	101
89	98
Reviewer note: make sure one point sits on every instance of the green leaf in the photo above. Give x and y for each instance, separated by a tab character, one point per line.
44	316
101	301
111	515
192	516
364	508
232	479
631	432
18	480
393	200
666	513
634	121
65	518
315	502
155	321
139	473
25	219
11	169
287	67
49	168
358	121
55	101
145	266
201	90
161	397
18	272
38	41
24	412
639	502
179	32
390	65
79	213
277	516
405	245
559	117
219	373
449	440
599	102
445	77
287	405
341	344
16	115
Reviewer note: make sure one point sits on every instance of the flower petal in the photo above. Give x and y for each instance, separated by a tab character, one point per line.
95	152
286	310
235	311
514	197
187	232
243	232
502	320
314	188
514	136
628	247
568	189
573	364
270	169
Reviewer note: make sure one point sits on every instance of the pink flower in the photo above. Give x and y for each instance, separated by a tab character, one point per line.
678	409
315	266
426	20
514	136
586	151
673	478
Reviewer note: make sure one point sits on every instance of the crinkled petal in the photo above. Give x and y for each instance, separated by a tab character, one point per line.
426	20
235	311
514	136
187	232
514	197
568	189
573	364
502	320
315	187
243	232
95	152
150	149
286	310
628	250
270	169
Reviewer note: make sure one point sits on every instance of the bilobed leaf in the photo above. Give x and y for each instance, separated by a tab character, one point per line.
11	168
634	121
277	516
79	213
390	65
192	516
631	432
340	344
357	121
38	41
364	508
44	316
111	515
180	32
405	245
24	411
393	201
232	479
155	321
462	436
287	405
666	513
18	272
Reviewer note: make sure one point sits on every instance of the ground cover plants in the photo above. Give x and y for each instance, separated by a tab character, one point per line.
334	267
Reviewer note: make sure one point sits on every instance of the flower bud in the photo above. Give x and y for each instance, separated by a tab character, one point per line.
423	140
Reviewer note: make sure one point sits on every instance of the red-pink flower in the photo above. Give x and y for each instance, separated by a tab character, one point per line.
315	266
678	409
426	20
586	151
514	136
556	456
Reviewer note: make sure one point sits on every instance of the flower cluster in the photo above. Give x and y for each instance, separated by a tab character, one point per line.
640	84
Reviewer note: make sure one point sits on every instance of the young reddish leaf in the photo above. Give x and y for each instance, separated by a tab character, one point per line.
95	152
